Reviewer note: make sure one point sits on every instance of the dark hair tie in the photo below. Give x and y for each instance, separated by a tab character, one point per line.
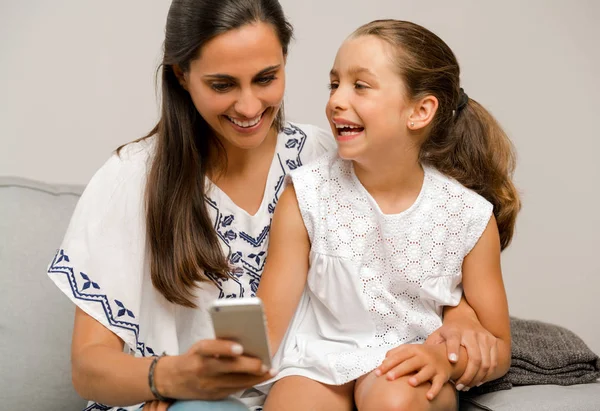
463	99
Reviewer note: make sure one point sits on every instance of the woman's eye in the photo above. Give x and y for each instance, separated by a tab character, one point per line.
265	80
221	87
360	86
332	86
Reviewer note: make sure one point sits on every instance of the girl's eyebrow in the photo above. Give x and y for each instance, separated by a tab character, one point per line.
218	76
353	71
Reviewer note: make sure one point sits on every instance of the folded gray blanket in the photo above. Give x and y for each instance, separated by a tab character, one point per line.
545	354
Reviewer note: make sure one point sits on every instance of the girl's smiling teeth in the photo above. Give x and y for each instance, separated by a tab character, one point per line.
245	124
348	129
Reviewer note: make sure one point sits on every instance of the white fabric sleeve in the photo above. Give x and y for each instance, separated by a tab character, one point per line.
318	141
325	139
477	220
101	265
311	192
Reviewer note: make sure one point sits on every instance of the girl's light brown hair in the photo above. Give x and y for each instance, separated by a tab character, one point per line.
466	144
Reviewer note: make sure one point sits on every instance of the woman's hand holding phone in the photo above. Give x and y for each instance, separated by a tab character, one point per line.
209	370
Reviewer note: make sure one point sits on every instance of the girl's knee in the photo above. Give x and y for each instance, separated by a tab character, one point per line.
222	405
383	395
401	396
402	400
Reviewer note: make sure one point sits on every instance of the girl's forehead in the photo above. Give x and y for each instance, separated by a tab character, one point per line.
368	52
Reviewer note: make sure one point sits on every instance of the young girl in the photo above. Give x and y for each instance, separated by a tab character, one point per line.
370	243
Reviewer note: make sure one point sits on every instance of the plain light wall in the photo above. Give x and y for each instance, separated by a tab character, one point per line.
77	80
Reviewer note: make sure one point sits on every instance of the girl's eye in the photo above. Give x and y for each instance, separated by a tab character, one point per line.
221	87
360	86
332	86
265	80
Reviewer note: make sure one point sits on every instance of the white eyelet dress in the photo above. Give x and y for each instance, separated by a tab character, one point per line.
375	281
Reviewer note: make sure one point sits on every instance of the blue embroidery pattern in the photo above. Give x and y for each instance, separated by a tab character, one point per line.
100	407
248	270
61	265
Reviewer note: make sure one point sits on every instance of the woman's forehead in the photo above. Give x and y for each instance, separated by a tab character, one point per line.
248	49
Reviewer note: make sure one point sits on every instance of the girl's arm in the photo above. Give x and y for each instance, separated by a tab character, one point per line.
484	291
286	270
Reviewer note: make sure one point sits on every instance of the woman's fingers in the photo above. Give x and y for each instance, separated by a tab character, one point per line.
485	345
156	406
212	348
474	361
452	345
236	382
493	362
239	365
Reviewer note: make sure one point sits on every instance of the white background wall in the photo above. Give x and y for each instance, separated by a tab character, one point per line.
77	80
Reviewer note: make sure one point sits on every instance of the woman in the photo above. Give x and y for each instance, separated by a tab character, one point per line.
181	217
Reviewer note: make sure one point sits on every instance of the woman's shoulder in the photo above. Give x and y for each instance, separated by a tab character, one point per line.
120	182
311	141
128	161
134	156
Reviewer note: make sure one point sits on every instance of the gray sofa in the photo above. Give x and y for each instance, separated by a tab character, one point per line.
36	321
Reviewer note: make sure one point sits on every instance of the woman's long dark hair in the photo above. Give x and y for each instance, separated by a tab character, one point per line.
182	240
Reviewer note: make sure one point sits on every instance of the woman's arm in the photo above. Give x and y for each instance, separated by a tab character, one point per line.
99	365
461	327
286	270
102	372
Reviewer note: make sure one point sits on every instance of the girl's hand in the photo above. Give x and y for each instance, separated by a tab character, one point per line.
428	362
481	346
209	370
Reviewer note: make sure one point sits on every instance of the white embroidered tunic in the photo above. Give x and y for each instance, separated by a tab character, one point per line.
103	262
375	281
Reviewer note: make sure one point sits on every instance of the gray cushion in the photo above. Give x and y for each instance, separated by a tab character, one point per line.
37	320
583	397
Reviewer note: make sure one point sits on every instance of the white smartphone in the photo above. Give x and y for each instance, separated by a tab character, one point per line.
242	320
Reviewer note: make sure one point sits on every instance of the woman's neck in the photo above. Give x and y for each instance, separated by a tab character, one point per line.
239	161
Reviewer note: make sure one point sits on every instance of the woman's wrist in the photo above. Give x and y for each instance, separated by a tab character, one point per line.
459	312
164	377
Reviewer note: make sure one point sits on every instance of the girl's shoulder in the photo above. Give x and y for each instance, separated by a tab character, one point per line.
450	187
319	174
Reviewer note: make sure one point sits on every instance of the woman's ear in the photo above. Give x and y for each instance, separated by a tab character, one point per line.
181	77
423	112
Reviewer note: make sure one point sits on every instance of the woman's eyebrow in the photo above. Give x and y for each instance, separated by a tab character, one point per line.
218	76
268	70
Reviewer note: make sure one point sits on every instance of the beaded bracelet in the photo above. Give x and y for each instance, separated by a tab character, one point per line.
151	379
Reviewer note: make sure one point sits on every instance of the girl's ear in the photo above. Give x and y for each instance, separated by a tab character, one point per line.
423	112
180	76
